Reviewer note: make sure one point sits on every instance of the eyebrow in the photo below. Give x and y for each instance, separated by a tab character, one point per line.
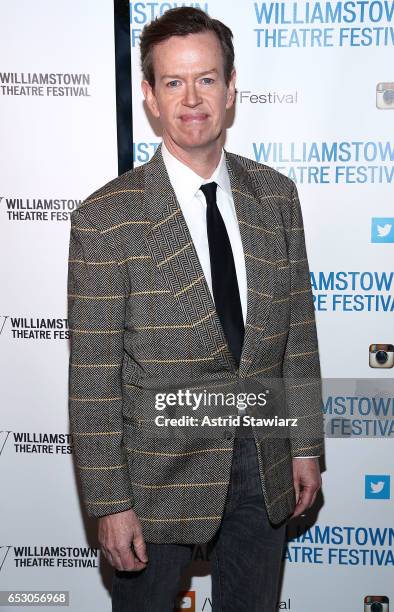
177	76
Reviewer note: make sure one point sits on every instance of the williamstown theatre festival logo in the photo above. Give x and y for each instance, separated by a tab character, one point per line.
36	442
34	328
48	556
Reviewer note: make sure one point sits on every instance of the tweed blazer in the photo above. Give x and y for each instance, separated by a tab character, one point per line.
141	316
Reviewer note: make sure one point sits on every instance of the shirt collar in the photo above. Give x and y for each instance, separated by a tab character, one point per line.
186	182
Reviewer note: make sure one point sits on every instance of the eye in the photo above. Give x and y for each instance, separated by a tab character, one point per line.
207	80
173	83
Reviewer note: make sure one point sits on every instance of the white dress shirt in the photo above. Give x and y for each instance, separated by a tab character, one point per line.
186	184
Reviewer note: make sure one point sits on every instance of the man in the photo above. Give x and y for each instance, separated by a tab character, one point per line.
191	268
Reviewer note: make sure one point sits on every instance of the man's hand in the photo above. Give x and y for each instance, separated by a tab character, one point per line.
307	482
121	540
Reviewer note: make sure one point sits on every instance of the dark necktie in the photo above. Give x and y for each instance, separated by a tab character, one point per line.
224	278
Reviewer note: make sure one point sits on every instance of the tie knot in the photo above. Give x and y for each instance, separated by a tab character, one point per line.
209	190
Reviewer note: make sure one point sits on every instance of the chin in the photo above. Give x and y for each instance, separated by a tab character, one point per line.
197	141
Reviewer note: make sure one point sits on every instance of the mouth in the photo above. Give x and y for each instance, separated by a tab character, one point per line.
194	118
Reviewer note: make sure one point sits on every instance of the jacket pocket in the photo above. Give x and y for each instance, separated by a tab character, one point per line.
130	372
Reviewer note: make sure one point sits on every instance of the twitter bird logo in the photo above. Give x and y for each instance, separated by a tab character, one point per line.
382	229
377	486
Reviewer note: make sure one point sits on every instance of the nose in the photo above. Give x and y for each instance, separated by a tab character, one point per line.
191	97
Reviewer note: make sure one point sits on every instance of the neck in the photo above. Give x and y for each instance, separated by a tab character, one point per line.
202	161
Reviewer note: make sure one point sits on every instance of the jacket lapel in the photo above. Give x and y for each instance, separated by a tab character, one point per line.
172	249
257	227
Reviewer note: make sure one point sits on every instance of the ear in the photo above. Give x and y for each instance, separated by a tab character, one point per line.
150	98
231	90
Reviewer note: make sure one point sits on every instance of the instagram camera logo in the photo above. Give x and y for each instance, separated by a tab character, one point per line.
385	96
376	603
186	601
381	356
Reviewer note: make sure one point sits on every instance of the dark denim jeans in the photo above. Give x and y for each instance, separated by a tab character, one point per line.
245	554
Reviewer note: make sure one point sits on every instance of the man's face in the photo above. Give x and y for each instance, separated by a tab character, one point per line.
190	96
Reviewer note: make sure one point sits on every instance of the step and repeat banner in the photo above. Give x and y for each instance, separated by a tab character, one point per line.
315	100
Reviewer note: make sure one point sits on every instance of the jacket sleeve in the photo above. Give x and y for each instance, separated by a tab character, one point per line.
301	365
96	312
